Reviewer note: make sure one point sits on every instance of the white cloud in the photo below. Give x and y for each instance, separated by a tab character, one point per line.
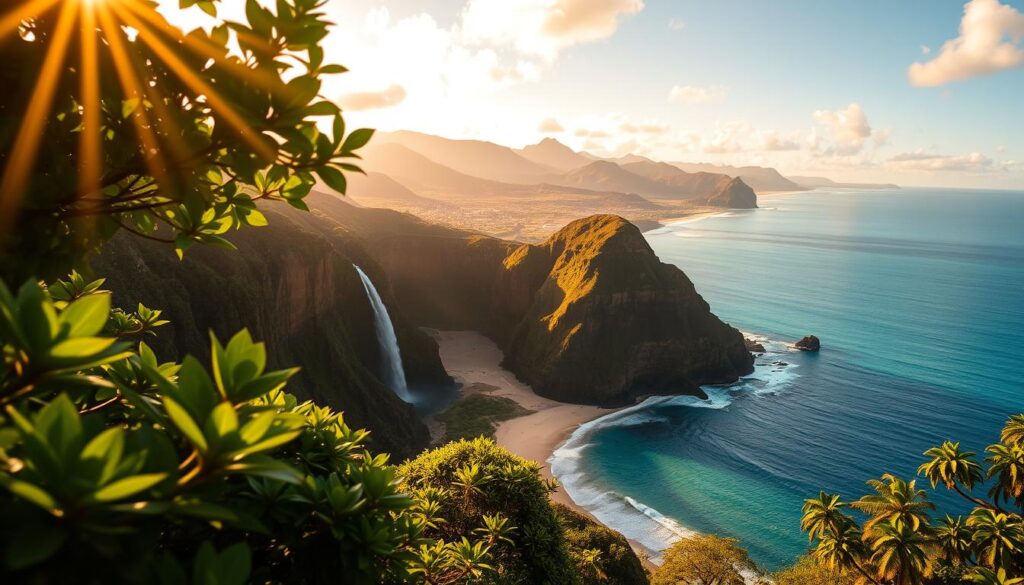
924	161
550	126
696	94
371	100
925	49
586	133
989	41
630	128
772	140
542	28
676	23
729	137
848	129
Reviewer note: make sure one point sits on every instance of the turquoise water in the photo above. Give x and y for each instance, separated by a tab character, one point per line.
918	298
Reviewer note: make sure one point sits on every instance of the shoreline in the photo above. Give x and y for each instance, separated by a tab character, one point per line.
471	358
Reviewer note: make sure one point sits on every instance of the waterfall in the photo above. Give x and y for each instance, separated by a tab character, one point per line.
391	371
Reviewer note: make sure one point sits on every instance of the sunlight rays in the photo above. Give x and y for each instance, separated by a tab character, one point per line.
26	143
160	143
171	60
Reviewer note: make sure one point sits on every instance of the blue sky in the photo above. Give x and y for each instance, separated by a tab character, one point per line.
811	87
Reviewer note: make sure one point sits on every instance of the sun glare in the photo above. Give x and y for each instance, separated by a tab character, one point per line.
110	25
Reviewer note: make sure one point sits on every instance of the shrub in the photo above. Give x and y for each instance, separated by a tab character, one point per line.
807	571
598	553
476	487
703	559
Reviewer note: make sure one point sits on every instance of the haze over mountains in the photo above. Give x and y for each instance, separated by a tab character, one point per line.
525	193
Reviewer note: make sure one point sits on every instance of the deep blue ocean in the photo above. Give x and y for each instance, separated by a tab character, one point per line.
918	298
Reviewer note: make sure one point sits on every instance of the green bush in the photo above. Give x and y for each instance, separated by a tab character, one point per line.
116	466
473	487
599	553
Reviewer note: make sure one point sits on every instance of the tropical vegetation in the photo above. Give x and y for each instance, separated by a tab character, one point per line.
118	466
902	540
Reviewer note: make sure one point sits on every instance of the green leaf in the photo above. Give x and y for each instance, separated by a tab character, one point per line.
129	106
222	422
266	467
60	425
87	315
29	492
81	347
235	564
107	448
128	486
334	178
35	542
357	140
184	422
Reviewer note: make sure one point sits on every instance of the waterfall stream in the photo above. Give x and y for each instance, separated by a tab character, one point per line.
391	372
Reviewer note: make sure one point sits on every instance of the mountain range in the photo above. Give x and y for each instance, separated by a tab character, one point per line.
524	193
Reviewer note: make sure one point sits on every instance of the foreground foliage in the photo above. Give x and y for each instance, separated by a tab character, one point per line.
130	123
476	487
703	559
901	543
599	553
108	456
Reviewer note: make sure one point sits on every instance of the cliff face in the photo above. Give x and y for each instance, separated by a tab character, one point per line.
734	194
611	321
293	285
590	316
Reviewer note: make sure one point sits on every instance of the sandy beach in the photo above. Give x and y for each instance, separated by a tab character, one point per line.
471	358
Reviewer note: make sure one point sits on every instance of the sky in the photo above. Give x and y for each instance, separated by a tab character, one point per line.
917	92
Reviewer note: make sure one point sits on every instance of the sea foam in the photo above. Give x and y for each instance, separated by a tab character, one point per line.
638	522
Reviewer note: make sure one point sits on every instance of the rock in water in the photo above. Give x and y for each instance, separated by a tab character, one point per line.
808	343
753	346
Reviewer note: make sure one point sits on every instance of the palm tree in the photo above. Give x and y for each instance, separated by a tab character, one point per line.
841	548
952	467
1013	432
1006	464
823	515
899	553
895	501
989	577
998	537
954	540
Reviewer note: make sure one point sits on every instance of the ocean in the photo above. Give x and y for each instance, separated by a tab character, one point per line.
917	296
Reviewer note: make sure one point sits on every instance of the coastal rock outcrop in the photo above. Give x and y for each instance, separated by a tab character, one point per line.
589	316
610	321
753	346
734	194
808	343
293	285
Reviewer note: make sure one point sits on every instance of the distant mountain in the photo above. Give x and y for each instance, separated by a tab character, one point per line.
659	181
607	176
553	153
425	176
818	182
475	158
757	178
699	183
379	190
